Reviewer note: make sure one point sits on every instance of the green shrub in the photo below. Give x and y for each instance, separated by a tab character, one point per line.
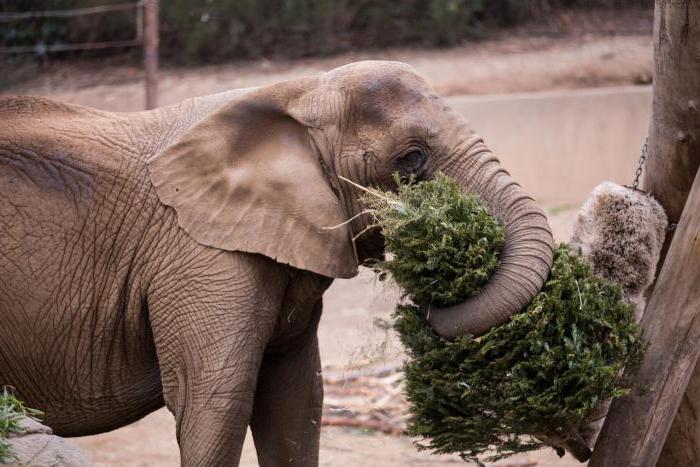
211	32
527	383
112	26
12	410
215	31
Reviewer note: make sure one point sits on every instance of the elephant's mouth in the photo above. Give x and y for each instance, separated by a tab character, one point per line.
370	246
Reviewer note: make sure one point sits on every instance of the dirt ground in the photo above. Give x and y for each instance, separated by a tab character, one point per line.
347	334
500	66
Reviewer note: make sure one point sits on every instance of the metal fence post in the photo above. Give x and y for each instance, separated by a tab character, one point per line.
150	52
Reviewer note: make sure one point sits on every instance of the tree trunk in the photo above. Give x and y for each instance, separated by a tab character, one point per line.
636	426
674	135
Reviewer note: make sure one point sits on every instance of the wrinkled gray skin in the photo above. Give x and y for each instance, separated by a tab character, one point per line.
179	256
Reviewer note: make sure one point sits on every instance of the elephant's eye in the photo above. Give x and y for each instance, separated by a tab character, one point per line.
412	161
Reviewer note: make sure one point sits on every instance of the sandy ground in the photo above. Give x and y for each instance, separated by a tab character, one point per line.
502	66
347	334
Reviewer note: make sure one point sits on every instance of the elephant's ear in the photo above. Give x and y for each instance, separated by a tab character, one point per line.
249	178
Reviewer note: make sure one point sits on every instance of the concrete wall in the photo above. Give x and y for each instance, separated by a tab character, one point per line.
559	145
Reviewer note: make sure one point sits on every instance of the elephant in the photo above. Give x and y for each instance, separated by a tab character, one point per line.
179	256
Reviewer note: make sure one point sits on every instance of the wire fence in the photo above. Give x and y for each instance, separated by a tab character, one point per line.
4	17
41	48
146	36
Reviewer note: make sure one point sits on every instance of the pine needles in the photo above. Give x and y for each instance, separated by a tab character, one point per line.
445	244
531	382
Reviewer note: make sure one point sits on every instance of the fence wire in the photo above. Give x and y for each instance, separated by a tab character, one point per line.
14	16
41	48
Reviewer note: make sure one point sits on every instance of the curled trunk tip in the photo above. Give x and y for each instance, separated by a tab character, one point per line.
526	256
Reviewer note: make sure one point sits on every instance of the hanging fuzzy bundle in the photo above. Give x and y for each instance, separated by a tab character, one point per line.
528	383
620	232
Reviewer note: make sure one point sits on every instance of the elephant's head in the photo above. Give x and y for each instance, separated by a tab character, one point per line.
260	174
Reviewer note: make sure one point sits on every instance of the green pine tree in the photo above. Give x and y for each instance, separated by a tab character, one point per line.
530	382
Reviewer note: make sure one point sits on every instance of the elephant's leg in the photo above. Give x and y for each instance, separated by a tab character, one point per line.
286	420
210	335
212	407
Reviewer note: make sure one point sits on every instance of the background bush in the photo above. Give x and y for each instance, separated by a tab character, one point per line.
209	31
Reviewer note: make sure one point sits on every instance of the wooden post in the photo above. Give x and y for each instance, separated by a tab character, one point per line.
669	181
674	134
150	52
636	426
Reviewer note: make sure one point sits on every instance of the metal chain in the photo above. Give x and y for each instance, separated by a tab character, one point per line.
638	174
640	165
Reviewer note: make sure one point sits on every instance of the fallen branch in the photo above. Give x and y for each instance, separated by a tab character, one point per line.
374	425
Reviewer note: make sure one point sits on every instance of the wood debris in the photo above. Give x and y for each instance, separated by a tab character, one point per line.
368	397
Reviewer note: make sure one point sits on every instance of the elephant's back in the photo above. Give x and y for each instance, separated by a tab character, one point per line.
15	108
76	222
68	178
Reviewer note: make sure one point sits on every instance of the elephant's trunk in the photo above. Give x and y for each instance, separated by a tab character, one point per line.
526	256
